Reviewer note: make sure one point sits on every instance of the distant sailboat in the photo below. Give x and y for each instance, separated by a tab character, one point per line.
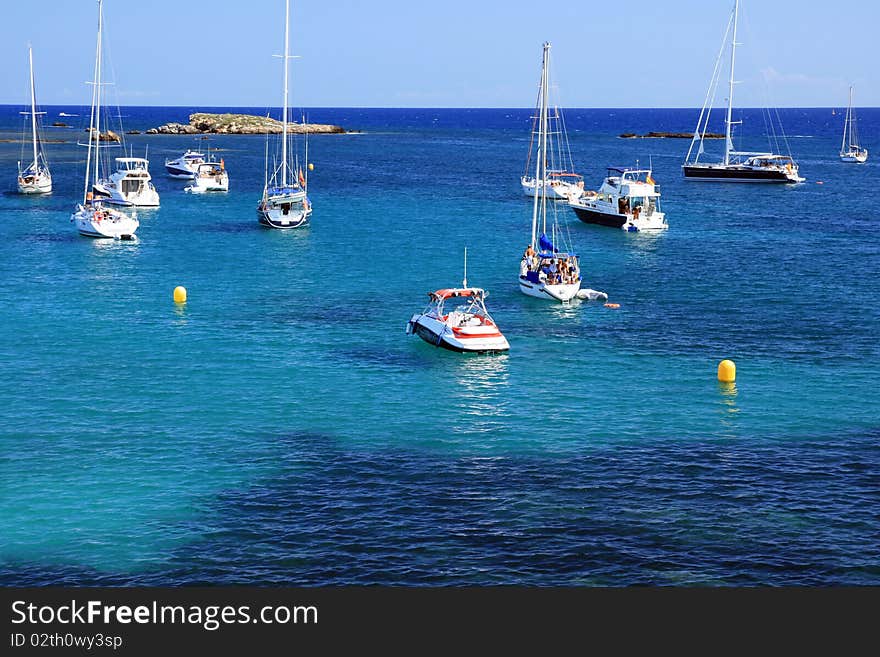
560	180
736	166
35	178
850	150
545	271
92	218
284	203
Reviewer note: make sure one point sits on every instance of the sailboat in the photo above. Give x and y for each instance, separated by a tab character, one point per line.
560	181
35	178
850	151
284	203
92	217
545	271
736	166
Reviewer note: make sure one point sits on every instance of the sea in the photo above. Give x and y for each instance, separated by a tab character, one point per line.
281	428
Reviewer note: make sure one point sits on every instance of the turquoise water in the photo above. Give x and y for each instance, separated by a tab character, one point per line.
281	427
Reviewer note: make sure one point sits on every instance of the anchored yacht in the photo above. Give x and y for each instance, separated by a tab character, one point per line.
627	199
129	184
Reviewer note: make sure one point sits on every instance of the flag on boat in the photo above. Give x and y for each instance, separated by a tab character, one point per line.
545	244
302	180
650	180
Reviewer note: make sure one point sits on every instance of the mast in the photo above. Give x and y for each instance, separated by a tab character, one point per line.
728	146
464	280
98	88
541	159
33	107
284	110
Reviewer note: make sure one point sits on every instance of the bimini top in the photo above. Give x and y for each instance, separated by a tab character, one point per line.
623	170
131	163
450	292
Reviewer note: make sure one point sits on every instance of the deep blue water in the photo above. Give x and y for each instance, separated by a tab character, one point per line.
282	429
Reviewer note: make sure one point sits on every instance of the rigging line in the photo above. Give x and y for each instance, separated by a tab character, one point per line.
700	132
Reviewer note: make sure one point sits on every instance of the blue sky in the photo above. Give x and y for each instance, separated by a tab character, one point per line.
453	53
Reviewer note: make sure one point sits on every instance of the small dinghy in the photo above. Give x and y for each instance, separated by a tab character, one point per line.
587	294
466	328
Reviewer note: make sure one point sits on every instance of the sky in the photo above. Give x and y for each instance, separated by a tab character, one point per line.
451	53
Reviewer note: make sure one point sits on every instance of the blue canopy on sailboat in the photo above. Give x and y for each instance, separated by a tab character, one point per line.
544	244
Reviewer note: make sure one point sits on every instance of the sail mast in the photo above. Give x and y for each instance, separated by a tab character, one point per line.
545	125
33	107
98	88
540	160
284	110
846	125
728	146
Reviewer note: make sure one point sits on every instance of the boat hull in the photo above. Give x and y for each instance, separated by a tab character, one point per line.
104	225
593	215
739	174
562	293
39	187
561	191
440	335
860	158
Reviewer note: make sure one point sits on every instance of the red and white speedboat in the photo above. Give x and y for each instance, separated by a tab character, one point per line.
466	328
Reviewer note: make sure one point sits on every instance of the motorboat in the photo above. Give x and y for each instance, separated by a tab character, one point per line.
546	272
735	165
627	199
850	150
129	184
93	217
210	177
466	328
185	167
284	203
35	178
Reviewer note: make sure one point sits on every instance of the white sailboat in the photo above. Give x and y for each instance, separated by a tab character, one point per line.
35	178
284	203
92	217
850	150
736	166
560	181
546	272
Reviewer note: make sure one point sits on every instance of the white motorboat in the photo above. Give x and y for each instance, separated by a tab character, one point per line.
284	203
736	166
92	217
129	184
34	178
185	167
466	328
627	199
559	181
210	177
850	149
545	271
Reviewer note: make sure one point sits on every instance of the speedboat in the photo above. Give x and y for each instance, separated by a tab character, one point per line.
129	184
93	219
467	328
210	177
185	166
627	199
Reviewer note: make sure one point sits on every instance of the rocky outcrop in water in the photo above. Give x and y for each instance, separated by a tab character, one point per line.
240	124
669	135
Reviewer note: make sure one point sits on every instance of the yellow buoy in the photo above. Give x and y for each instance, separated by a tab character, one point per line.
311	167
727	371
180	294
